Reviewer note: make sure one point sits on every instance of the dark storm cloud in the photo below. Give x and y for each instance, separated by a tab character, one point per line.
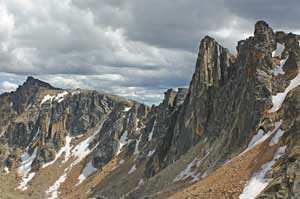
169	24
279	14
135	48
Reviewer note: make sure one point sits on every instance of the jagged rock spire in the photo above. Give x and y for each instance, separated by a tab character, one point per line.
264	36
214	63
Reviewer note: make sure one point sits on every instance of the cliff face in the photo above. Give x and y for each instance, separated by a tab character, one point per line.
227	98
105	146
260	95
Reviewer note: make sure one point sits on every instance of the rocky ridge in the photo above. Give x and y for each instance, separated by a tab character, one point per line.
104	146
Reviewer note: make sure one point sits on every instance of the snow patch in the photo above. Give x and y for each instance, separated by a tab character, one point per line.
278	99
152	130
277	53
88	170
261	136
204	175
188	172
25	168
133	168
61	96
6	169
76	92
257	183
47	98
141	182
276	137
79	152
280	48
4	130
136	150
123	141
126	109
28	107
66	150
116	166
53	190
82	150
279	68
150	153
258	136
25	180
35	136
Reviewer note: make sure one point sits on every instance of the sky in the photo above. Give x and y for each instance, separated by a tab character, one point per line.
133	48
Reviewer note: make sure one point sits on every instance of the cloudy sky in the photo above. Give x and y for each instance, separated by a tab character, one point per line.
133	48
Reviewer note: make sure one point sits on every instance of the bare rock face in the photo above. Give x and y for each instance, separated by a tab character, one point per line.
122	127
42	116
227	96
224	105
214	65
25	94
214	68
162	129
229	100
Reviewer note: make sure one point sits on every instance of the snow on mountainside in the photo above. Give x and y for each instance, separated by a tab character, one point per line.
234	133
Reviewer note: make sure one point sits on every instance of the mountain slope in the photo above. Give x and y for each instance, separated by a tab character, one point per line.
231	134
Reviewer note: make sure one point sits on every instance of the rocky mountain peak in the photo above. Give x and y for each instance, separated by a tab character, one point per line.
170	95
262	28
214	63
26	93
33	82
264	36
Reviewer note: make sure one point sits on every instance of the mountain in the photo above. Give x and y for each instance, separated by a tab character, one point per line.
234	133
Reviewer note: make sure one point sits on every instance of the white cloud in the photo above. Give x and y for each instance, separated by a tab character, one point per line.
8	86
52	37
7	26
108	83
6	21
236	29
